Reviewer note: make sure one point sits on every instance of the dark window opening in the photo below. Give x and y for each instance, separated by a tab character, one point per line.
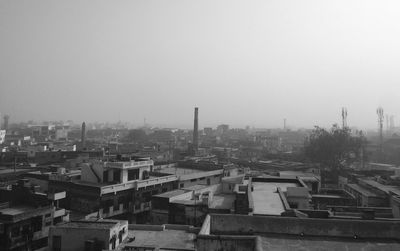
133	174
40	243
56	243
15	231
117	176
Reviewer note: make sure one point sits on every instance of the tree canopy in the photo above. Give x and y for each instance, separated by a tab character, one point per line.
136	135
335	147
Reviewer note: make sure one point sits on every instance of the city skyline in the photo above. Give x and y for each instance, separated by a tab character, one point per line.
242	64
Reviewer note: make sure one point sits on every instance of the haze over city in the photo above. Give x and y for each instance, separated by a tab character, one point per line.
243	63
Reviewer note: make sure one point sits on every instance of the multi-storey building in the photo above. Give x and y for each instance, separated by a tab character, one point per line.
26	216
121	188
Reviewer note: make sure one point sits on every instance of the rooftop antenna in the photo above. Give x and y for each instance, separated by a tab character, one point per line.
379	111
344	117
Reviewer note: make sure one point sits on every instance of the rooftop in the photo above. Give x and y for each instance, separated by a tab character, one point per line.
91	224
317	243
382	187
362	190
16	210
266	199
171	194
179	238
195	187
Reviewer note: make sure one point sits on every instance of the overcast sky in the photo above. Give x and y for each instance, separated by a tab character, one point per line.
241	62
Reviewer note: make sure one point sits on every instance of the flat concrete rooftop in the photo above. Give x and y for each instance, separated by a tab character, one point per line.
90	224
290	243
5	171
16	210
171	194
166	239
362	190
266	199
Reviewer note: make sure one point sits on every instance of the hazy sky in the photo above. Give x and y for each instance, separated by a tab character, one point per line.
241	62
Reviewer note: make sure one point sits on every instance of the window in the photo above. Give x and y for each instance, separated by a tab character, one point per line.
193	180
116	176
133	174
56	243
40	243
25	230
181	185
15	231
37	224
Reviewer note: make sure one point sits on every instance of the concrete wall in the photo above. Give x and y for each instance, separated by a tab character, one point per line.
395	204
206	178
88	170
241	224
243	243
73	239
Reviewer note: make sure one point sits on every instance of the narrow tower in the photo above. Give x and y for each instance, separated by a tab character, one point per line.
83	135
379	111
344	117
196	129
6	120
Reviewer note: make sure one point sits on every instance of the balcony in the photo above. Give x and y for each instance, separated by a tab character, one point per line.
144	206
136	184
156	181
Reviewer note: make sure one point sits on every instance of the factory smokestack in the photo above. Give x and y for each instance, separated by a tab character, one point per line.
196	129
6	121
83	135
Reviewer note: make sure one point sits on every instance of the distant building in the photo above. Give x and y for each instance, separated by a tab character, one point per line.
222	129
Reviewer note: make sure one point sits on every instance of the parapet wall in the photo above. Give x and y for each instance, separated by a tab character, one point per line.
244	225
